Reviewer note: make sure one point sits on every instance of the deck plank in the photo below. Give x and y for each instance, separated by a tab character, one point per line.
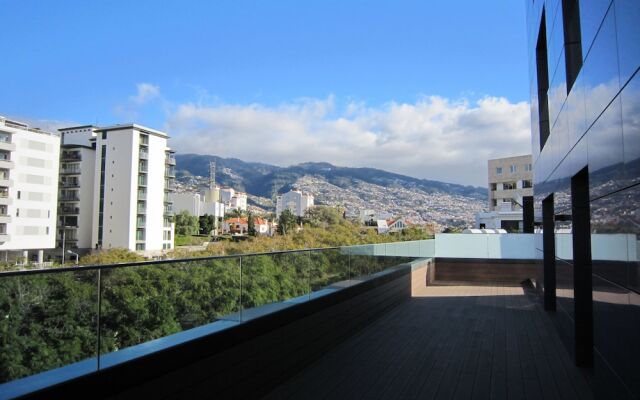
447	342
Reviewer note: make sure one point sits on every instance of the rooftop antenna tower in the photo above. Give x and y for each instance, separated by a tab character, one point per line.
212	175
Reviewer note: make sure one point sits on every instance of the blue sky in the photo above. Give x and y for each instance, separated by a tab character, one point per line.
188	67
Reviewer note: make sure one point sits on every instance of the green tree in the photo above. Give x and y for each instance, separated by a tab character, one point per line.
186	224
286	222
207	223
323	216
251	225
234	213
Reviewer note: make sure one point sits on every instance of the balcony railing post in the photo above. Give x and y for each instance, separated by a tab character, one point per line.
310	270
349	263
98	326
240	303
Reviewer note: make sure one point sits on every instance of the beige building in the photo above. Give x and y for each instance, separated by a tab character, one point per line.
510	179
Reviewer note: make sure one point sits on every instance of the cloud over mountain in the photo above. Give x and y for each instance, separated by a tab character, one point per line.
433	138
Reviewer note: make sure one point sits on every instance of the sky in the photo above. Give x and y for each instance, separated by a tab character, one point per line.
430	89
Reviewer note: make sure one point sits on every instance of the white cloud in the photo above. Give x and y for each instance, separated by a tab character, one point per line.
145	93
433	138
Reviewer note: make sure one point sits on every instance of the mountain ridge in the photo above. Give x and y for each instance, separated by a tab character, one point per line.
267	180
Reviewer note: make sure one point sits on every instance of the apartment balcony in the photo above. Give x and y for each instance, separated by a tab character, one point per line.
69	210
7	146
5	200
143	155
4	237
170	160
69	197
142	210
69	171
5	218
70	157
142	195
6	182
454	317
7	164
70	184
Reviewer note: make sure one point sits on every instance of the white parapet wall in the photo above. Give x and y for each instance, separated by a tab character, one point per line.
517	246
509	246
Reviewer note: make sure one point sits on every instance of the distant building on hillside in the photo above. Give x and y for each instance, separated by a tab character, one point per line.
197	205
295	201
369	217
510	180
240	226
236	226
231	198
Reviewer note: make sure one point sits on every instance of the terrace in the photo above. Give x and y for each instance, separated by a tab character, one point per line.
452	317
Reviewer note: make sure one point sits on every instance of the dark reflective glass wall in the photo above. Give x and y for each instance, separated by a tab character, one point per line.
596	124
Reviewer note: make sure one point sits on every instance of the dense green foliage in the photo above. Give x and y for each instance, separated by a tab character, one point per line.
286	222
51	320
207	223
186	224
181	240
251	225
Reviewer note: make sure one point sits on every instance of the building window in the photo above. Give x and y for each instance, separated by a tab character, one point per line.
494	186
542	71
527	167
508	185
104	135
572	40
526	184
139	246
498	170
513	168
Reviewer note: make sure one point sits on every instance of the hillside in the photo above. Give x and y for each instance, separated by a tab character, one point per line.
420	200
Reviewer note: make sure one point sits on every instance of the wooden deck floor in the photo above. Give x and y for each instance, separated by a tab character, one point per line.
463	342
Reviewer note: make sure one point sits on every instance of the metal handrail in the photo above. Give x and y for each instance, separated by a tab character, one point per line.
154	262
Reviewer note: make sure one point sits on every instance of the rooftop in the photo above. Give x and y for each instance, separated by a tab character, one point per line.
137	127
22	126
448	342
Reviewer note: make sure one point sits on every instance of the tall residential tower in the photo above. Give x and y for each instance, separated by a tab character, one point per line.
28	187
119	179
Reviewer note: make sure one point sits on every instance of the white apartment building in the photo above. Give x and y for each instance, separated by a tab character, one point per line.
510	179
76	187
196	204
29	160
232	199
126	188
295	201
134	175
